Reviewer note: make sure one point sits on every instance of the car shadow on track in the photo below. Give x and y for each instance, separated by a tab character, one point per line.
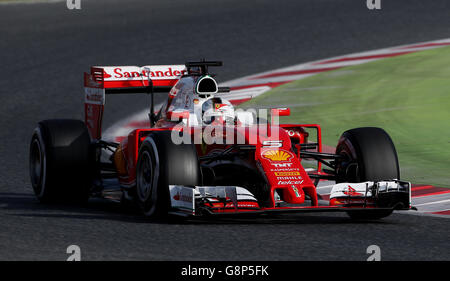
285	219
26	205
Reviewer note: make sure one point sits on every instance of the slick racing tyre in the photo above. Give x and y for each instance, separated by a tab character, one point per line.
162	163
369	155
61	161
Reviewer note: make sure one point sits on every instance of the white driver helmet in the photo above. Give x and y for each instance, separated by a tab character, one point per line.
214	108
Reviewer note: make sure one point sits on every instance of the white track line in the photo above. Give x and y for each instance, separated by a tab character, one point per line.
434	202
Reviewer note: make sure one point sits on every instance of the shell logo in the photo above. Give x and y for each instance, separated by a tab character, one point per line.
277	155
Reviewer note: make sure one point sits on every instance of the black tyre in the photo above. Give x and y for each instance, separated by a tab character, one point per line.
369	155
61	161
162	163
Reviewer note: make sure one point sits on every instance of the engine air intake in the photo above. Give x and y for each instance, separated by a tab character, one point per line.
206	86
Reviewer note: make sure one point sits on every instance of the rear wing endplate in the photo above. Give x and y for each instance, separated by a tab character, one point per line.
103	80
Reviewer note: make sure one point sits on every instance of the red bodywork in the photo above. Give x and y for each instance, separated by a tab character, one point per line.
282	168
273	149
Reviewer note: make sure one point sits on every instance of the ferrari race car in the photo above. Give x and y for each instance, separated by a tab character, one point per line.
200	156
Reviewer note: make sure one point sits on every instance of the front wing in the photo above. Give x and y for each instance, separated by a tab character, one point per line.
232	200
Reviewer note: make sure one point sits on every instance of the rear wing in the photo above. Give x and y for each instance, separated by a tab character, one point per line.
104	80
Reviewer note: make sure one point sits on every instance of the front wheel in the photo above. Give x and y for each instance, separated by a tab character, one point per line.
368	154
162	163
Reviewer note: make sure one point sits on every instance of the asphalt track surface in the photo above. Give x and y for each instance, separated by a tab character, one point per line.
44	49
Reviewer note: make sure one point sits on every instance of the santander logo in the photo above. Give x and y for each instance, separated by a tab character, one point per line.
137	73
182	197
351	192
106	75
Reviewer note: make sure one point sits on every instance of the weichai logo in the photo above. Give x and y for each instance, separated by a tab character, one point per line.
277	155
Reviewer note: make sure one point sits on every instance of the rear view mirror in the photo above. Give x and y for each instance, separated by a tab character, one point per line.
285	111
275	112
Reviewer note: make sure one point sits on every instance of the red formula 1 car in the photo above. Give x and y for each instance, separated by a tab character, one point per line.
200	156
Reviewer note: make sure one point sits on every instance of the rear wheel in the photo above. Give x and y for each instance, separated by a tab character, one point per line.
369	155
162	163
60	161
